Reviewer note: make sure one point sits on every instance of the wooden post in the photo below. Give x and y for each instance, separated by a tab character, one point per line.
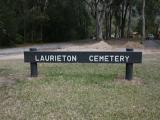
129	68
33	65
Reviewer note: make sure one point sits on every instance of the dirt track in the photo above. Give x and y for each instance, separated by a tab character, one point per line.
149	47
152	44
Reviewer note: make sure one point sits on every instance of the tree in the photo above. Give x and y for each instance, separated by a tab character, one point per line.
8	24
108	17
121	8
124	9
143	20
97	10
60	20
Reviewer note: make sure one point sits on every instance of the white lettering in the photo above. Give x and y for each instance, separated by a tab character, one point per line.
58	58
127	58
112	57
51	58
116	58
106	58
47	58
64	57
42	58
91	58
121	58
69	58
96	58
36	59
74	58
101	58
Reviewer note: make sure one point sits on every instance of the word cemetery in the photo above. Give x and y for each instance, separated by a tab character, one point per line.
129	57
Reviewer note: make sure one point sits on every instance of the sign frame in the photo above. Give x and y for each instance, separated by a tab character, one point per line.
83	57
129	57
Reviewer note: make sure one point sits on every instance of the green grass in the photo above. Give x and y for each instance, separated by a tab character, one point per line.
80	92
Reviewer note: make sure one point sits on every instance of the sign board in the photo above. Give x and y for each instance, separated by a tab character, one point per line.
83	57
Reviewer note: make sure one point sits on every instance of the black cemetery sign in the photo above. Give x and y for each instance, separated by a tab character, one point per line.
83	57
129	57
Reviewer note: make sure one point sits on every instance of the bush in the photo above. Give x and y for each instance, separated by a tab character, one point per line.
5	39
19	39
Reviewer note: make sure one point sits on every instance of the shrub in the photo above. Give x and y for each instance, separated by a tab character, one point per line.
19	39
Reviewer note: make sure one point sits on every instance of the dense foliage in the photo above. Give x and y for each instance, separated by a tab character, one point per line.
42	21
24	21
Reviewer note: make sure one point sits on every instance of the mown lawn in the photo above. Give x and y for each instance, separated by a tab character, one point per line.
80	92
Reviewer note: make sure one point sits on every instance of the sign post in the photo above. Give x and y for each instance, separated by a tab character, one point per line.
129	68
129	57
33	65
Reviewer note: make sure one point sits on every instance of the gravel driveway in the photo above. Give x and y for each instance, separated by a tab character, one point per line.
17	53
152	44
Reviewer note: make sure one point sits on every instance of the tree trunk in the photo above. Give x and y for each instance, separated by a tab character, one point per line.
24	30
143	21
122	28
123	22
24	22
32	36
110	24
99	26
129	21
41	32
116	31
106	20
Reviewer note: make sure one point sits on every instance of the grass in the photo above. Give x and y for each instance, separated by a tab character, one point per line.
80	92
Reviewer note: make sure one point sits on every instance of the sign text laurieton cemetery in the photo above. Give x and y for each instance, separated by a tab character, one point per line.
83	57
